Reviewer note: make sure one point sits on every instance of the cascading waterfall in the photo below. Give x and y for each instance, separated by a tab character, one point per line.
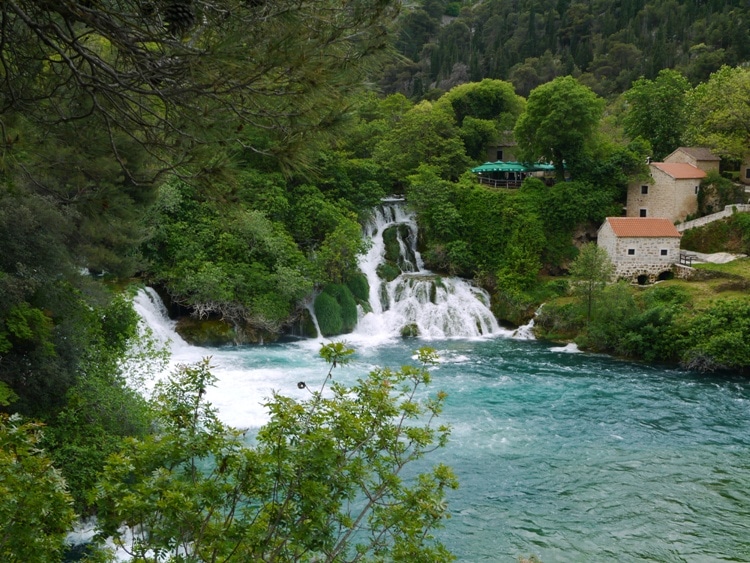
416	302
150	307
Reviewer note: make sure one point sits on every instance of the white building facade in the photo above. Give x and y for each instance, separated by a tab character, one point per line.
643	249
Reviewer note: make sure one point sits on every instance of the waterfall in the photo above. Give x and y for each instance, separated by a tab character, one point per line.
416	302
526	332
153	313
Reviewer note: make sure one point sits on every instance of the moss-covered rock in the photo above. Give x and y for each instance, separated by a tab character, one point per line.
410	331
328	313
388	271
305	325
392	247
206	332
347	304
359	287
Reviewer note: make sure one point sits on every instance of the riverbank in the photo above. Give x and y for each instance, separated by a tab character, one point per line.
701	323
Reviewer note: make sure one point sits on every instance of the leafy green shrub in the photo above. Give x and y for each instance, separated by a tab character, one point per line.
347	305
359	287
328	312
390	240
719	337
388	272
559	321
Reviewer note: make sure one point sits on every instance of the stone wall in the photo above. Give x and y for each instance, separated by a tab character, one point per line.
728	210
705	165
646	259
667	197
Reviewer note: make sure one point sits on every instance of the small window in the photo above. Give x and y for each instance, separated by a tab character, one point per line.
642	213
631	251
664	252
644	190
696	190
499	154
747	172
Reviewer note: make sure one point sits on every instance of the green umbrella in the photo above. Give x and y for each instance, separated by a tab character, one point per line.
499	166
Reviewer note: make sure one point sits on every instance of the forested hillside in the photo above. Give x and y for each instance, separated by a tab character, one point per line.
606	44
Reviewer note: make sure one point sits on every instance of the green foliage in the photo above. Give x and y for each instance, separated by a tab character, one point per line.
477	135
360	287
591	271
558	121
729	235
559	321
530	43
719	116
347	306
233	262
328	313
488	100
606	323
426	135
656	111
716	192
338	256
35	508
718	337
325	479
190	82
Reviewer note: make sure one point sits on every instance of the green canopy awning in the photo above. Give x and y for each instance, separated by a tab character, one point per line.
540	167
500	166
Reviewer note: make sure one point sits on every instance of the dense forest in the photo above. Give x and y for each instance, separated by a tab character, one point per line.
606	44
227	152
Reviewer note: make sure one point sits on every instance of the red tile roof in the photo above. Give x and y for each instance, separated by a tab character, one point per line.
680	170
642	227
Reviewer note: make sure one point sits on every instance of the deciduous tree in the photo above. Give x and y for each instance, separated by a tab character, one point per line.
559	119
656	111
591	270
326	480
719	115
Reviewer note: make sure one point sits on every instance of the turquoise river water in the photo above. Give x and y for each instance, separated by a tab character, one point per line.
566	456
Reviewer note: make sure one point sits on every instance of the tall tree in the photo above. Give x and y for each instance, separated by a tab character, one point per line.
591	270
656	111
720	113
559	119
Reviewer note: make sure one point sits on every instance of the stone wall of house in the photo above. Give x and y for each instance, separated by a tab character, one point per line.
508	152
646	259
745	173
705	165
667	197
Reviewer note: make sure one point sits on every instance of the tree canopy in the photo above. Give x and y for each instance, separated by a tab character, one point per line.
720	113
657	111
178	74
559	120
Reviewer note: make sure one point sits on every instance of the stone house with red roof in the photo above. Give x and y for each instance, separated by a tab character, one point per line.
643	249
672	191
700	157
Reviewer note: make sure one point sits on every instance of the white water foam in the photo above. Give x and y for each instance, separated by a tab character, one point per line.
438	307
245	381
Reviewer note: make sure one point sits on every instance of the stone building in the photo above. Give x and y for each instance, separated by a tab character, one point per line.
672	192
643	249
700	157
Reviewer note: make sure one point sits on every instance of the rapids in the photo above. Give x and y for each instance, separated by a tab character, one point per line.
568	456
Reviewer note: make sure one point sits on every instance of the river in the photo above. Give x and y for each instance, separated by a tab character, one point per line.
567	456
